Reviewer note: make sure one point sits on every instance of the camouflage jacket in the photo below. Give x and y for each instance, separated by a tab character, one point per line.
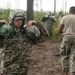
15	52
16	49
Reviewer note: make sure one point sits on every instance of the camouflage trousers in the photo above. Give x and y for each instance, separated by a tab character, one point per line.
67	51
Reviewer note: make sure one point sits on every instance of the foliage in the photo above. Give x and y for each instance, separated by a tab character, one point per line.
38	15
55	34
5	14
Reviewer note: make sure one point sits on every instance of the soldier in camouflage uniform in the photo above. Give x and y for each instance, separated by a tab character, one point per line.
49	22
67	50
17	43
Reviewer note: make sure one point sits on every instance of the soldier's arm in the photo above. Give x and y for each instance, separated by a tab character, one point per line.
3	22
31	22
60	30
61	25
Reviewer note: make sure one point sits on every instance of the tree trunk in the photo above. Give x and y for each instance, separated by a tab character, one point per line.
30	10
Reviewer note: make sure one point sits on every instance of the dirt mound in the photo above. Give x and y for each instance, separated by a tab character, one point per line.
45	59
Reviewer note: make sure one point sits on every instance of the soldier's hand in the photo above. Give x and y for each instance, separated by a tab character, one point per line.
31	22
4	21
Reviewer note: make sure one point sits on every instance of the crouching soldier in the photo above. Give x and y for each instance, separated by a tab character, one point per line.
49	21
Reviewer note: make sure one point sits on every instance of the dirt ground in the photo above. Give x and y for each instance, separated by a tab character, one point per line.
45	59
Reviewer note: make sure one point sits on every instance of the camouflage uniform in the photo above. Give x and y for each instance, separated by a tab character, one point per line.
16	50
16	54
44	32
49	22
67	51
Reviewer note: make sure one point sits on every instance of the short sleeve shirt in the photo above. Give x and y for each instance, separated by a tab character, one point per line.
69	24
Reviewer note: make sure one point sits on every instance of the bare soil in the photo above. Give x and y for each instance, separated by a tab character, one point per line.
45	59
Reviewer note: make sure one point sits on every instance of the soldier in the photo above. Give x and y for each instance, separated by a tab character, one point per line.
49	22
17	43
67	50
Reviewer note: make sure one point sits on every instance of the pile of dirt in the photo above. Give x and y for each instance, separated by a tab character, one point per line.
45	59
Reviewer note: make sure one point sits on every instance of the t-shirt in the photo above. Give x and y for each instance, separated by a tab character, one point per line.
69	24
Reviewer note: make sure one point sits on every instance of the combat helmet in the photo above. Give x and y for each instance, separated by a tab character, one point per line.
32	31
16	14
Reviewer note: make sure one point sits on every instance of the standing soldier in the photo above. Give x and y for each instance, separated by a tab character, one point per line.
17	43
67	50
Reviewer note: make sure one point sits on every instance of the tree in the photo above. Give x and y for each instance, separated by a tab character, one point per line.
40	5
54	6
5	14
30	10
